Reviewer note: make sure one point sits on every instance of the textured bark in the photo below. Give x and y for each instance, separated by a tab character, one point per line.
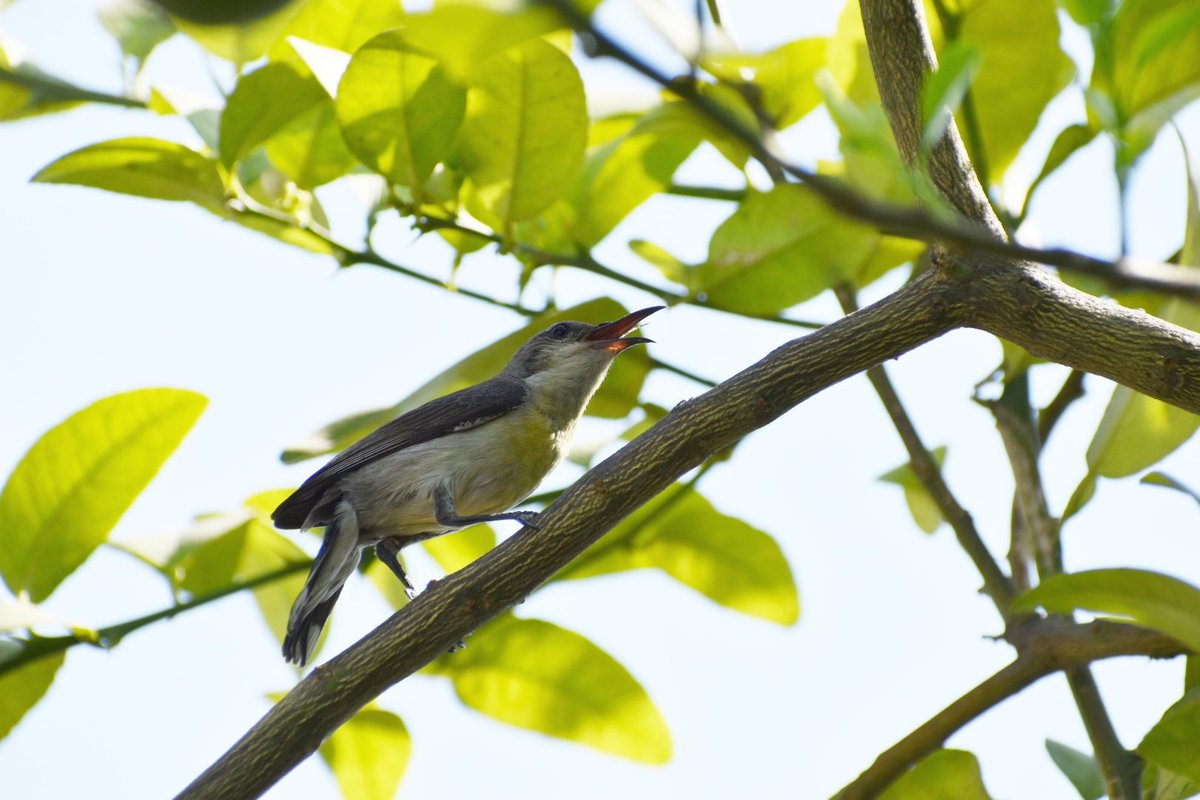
450	609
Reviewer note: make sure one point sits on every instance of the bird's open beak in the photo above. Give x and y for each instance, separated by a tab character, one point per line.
611	335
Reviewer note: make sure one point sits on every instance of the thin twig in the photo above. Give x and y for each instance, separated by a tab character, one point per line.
905	221
996	583
112	635
707	192
61	91
1072	389
1045	646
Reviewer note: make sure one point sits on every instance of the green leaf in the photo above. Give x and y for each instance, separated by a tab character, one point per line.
945	89
369	754
240	43
341	24
921	505
73	485
782	78
464	36
1069	140
1080	769
523	137
20	102
615	398
1137	431
144	167
943	775
720	556
1171	743
1087	12
309	149
247	551
847	58
1162	479
1154	69
1150	599
1022	69
398	111
778	249
536	675
455	550
21	689
667	264
138	26
621	174
263	103
1159	783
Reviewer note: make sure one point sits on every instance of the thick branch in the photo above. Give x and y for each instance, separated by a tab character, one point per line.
1046	646
449	610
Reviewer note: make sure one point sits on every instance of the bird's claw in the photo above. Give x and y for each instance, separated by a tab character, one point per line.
526	518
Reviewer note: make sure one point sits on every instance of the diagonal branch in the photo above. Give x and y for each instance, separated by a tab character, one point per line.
450	609
1046	646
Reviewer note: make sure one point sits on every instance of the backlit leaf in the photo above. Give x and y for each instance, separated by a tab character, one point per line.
398	111
523	137
73	485
263	103
943	775
1149	599
144	167
778	249
455	550
925	511
22	688
341	24
369	754
536	675
721	557
1171	743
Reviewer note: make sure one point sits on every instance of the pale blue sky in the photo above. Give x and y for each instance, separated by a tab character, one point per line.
102	293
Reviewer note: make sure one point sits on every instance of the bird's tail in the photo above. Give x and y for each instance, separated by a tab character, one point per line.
338	557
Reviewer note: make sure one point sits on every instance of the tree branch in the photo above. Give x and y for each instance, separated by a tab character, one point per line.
450	609
1045	646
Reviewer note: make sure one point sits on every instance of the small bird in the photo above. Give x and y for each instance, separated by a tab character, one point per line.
464	458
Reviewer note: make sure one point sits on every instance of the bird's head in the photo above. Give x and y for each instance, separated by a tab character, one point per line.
565	362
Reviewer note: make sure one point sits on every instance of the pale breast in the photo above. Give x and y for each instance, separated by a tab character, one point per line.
489	469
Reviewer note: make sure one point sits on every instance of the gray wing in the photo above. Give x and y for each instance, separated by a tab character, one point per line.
459	411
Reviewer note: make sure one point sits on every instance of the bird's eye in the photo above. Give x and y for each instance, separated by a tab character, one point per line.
560	330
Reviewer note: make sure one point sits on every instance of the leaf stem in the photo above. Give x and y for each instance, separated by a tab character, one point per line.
59	90
112	635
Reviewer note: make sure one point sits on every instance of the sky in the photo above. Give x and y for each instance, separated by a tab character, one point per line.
101	293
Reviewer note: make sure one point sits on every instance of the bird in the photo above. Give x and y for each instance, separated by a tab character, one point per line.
464	458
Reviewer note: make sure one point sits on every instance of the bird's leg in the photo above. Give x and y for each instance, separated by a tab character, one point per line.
444	513
388	551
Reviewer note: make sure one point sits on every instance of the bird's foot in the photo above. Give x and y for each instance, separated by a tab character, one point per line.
526	518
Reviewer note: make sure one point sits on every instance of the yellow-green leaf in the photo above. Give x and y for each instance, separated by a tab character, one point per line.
925	511
455	550
1150	599
1137	431
398	111
22	688
1022	68
943	775
263	103
1172	742
1081	769
369	754
247	551
144	167
780	248
309	149
523	137
341	24
721	557
73	485
536	675
239	43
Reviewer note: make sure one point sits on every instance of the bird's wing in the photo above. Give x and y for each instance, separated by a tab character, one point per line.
459	411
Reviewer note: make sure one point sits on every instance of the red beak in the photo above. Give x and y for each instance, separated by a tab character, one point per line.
608	335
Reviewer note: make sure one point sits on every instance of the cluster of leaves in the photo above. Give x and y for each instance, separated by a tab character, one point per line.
473	123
